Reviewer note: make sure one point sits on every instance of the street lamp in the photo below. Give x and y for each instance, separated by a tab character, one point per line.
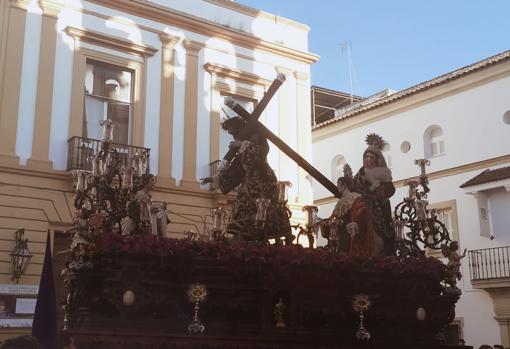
20	256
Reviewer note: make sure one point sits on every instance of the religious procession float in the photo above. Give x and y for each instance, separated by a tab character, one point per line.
249	284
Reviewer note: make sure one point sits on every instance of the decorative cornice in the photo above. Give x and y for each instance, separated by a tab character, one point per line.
192	47
202	26
249	11
237	75
283	70
301	77
40	173
21	4
51	8
168	40
110	41
238	90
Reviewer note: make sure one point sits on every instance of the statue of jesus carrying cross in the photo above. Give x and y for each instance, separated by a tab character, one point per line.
256	215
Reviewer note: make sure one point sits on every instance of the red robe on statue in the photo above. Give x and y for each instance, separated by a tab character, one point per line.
365	242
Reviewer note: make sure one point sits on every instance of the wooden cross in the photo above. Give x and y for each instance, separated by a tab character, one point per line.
253	123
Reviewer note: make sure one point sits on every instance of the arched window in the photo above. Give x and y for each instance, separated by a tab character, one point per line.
387	154
434	141
337	167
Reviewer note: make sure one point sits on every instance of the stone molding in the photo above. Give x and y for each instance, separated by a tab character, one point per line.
110	41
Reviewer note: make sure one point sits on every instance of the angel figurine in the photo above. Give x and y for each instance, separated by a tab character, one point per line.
453	266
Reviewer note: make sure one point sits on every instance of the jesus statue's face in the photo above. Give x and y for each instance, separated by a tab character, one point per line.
341	187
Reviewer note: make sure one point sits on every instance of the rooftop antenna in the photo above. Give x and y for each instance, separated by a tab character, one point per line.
345	46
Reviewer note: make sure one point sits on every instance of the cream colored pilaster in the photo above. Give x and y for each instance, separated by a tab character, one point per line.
4	25
190	114
77	94
304	133
166	110
285	163
11	58
214	152
139	98
43	104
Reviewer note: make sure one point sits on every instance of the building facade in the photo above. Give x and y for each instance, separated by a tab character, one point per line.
160	69
459	121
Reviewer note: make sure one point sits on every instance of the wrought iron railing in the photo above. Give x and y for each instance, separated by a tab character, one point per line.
489	263
81	151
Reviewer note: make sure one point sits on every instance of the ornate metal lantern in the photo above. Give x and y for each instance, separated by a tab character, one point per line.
20	256
414	223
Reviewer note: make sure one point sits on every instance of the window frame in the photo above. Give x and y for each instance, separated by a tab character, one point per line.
449	205
337	172
106	99
133	63
431	141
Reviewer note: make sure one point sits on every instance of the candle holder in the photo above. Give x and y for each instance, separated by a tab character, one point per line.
283	187
111	192
218	229
311	228
423	229
82	179
107	129
127	173
262	206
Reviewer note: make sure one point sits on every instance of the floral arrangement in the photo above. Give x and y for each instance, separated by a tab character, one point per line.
146	246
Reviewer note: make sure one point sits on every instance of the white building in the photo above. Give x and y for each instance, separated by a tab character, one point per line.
460	121
160	69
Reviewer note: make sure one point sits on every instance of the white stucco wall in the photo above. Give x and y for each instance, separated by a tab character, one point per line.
471	118
269	27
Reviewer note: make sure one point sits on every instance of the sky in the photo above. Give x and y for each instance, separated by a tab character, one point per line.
395	43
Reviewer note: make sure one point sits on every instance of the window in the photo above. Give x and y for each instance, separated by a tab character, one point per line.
225	137
405	147
337	167
445	216
434	141
506	117
446	212
108	95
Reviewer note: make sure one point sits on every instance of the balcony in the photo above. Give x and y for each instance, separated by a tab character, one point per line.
490	267
81	150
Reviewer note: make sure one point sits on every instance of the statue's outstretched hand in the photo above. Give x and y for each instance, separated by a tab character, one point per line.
235	144
206	180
